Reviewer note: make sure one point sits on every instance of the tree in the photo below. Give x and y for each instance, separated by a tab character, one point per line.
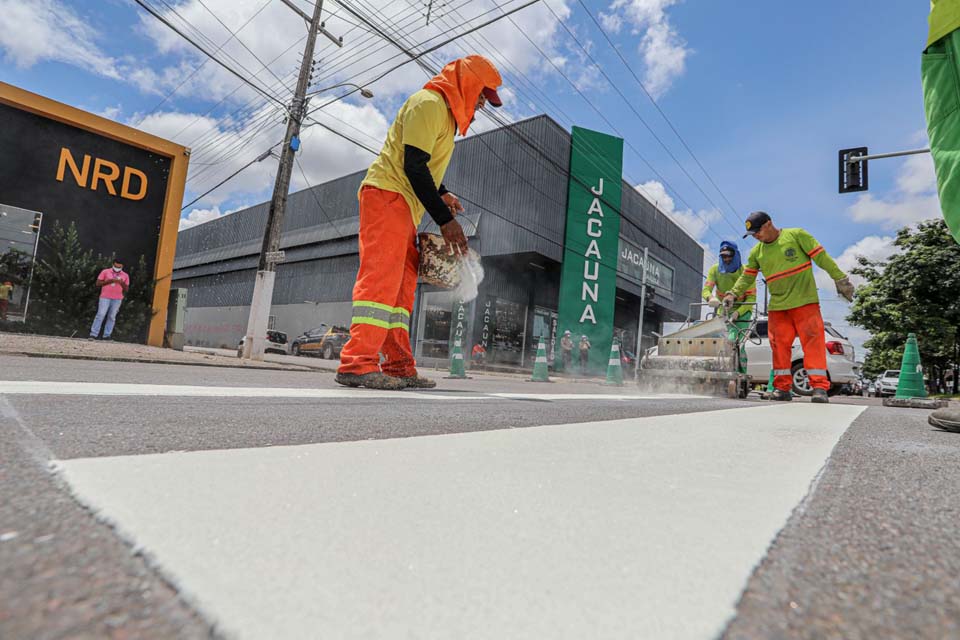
63	283
65	294
915	291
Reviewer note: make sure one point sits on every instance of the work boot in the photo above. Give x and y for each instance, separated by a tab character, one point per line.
372	380
820	396
947	419
780	395
419	382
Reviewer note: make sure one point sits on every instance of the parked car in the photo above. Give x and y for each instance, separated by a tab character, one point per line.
324	341
842	368
887	383
276	343
872	388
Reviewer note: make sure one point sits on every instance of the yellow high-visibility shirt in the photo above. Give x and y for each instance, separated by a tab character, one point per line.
425	122
944	18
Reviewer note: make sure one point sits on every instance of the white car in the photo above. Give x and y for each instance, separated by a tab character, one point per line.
841	364
887	383
276	343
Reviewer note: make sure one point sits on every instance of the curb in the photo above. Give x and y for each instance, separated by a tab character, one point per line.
916	403
34	354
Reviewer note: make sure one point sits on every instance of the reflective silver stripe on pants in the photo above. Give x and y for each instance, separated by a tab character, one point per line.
782	372
390	317
816	372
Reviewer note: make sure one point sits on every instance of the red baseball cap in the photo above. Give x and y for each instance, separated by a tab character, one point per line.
492	97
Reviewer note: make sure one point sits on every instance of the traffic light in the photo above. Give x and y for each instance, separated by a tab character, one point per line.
853	175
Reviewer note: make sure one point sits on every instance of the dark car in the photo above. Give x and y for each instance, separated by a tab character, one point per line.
324	341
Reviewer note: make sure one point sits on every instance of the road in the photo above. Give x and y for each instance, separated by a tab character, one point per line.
159	501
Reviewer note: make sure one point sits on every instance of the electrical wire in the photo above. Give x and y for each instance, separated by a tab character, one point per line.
200	48
202	64
637	114
655	104
234	36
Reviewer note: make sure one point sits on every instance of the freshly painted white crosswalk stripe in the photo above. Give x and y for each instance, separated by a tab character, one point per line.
597	396
640	528
13	387
198	391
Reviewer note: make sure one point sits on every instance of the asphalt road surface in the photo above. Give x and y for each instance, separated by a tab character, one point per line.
161	501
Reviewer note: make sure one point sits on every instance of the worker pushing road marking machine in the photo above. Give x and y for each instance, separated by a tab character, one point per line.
700	358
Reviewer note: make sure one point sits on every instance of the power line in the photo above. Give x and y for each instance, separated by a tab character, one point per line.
413	57
696	269
655	104
237	88
234	36
230	69
636	113
201	65
614	128
503	124
203	36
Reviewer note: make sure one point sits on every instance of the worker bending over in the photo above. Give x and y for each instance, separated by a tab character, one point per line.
786	257
721	277
405	179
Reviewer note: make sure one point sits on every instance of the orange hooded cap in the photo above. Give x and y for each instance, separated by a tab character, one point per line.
461	83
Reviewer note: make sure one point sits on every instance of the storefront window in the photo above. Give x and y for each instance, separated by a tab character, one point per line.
544	326
508	332
19	233
436	331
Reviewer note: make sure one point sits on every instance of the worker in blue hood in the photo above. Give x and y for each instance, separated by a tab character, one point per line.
730	261
721	277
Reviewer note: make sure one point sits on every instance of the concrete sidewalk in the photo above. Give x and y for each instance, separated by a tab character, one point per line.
82	349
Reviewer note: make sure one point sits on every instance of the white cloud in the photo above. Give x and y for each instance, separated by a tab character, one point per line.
664	52
50	30
199	216
871	247
111	113
695	224
224	147
611	22
914	199
917	175
835	308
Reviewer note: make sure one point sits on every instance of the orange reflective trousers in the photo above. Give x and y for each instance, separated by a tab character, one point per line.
783	328
385	288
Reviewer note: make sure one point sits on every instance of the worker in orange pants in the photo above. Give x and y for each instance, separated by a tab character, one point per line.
384	292
786	258
404	180
784	327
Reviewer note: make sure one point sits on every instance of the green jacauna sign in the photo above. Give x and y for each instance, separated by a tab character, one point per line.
588	283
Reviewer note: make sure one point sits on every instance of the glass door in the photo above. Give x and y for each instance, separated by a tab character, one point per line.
19	238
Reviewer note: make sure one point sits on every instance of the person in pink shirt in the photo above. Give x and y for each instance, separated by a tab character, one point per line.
113	283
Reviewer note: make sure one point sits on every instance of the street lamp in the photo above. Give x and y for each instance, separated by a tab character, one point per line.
366	93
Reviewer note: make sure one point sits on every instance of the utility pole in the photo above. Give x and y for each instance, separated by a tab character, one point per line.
269	253
643	304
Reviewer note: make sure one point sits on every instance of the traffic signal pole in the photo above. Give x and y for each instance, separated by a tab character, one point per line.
270	254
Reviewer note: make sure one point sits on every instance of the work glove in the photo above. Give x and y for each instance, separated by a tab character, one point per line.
728	301
714	302
845	288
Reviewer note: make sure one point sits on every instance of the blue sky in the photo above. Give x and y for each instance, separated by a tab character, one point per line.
764	93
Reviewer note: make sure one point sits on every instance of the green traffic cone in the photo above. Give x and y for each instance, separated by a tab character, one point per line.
911	384
540	373
614	369
456	362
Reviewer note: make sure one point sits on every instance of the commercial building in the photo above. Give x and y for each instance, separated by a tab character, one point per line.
518	190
